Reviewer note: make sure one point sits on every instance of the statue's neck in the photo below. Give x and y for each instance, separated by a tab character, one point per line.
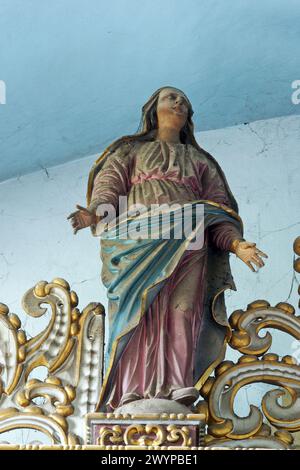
168	134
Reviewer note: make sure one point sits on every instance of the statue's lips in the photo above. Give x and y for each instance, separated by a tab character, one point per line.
177	111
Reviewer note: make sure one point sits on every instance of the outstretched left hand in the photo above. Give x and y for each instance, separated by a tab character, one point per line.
249	253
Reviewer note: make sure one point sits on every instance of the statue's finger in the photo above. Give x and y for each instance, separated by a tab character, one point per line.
81	222
261	253
72	215
250	266
82	208
259	260
256	262
76	223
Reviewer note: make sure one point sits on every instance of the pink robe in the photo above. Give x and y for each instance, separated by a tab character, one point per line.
160	355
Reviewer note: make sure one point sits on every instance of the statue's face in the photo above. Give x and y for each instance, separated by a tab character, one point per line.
172	109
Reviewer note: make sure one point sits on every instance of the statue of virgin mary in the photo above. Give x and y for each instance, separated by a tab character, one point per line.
167	319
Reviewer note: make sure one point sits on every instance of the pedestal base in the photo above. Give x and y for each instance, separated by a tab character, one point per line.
153	423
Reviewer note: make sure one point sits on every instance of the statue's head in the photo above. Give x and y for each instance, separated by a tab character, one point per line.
168	106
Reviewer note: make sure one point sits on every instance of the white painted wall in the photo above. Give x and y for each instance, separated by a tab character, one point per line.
261	161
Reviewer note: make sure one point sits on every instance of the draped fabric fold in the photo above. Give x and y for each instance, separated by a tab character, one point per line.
135	271
166	302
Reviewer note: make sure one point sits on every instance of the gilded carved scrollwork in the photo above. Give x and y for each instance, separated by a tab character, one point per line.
179	434
263	438
53	345
260	315
256	366
110	436
12	350
59	396
144	435
55	427
230	378
70	347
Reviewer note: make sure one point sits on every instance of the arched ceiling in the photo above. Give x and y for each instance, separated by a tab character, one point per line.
77	73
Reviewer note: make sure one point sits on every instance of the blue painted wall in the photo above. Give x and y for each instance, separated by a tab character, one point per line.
77	73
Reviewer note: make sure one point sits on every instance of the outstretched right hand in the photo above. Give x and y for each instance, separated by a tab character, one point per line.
81	218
